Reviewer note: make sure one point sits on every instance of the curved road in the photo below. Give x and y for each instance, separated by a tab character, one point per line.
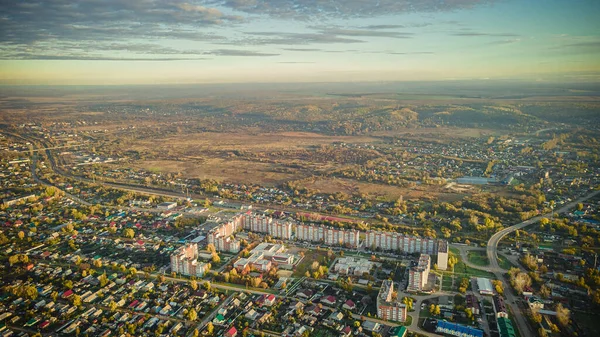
494	267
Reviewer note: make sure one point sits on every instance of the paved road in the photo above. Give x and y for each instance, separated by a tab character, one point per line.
492	253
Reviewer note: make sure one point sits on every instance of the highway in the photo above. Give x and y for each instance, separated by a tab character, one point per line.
494	267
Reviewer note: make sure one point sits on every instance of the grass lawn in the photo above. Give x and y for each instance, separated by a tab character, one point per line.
408	321
504	263
461	269
447	283
309	257
455	252
478	258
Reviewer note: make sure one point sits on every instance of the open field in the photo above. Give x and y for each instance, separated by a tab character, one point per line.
310	257
478	258
504	262
382	191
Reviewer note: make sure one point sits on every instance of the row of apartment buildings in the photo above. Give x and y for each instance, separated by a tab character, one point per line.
328	235
221	236
184	261
265	224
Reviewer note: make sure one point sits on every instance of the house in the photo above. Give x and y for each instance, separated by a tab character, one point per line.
349	305
252	315
399	331
336	316
313	309
67	294
269	300
328	300
535	303
305	293
371	326
231	332
346	332
219	319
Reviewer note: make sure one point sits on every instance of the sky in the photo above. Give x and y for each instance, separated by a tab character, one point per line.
244	41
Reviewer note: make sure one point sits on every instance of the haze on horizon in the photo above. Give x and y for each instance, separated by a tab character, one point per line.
214	41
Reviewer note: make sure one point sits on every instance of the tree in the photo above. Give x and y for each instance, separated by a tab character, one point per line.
194	284
469	313
434	309
13	259
215	258
103	280
408	302
112	306
211	248
210	328
76	300
563	315
192	315
128	233
356	324
21	235
132	271
452	261
545	291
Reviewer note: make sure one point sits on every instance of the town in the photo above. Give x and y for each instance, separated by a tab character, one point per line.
128	252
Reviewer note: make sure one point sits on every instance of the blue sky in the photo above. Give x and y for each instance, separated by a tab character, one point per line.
177	41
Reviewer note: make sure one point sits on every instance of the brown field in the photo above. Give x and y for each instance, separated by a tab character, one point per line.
192	143
229	170
438	133
211	155
385	192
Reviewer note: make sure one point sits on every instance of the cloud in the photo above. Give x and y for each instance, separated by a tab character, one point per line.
293	39
302	9
74	26
365	33
302	49
411	53
477	34
503	42
92	58
297	62
584	44
412	25
235	52
383	27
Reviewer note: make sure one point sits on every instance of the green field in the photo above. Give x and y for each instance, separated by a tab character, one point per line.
447	283
461	269
309	257
504	263
478	258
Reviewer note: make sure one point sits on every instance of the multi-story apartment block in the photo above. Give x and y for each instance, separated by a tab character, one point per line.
418	275
410	244
185	261
328	235
390	308
264	224
221	235
442	255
